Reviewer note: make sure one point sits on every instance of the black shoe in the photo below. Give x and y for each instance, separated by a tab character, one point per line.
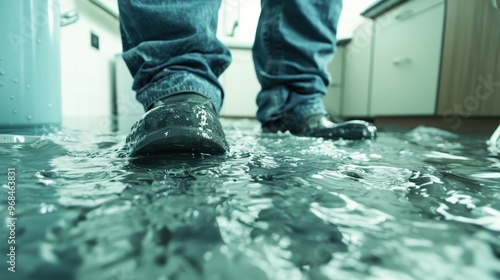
319	125
183	123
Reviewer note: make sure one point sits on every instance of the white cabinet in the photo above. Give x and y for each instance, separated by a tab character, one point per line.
356	90
333	98
406	59
240	86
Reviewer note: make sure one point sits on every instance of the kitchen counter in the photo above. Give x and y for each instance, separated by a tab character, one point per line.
380	7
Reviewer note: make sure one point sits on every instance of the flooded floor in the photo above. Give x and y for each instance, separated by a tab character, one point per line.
420	204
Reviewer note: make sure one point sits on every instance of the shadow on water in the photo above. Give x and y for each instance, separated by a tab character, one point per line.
407	206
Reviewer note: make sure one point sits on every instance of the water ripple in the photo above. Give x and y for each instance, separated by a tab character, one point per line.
406	206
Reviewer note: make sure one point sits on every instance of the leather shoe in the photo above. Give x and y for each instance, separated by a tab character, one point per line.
179	124
318	125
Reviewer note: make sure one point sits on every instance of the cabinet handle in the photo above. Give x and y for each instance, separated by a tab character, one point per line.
495	4
404	15
400	60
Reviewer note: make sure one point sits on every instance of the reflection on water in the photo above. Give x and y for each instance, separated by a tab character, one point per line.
408	206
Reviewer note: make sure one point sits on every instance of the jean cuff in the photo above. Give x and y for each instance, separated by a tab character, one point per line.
178	83
311	107
279	103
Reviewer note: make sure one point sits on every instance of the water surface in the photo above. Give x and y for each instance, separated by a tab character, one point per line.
422	204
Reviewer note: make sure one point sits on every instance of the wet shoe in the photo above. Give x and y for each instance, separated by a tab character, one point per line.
183	123
319	125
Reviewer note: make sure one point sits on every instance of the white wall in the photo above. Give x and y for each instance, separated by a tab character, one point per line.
248	16
350	18
246	13
87	77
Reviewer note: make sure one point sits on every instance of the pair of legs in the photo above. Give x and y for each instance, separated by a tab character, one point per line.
171	49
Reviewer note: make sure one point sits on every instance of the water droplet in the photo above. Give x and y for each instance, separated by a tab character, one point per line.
28	86
1	84
29	117
12	97
15	112
50	105
207	256
39	41
224	249
2	72
1	58
14	81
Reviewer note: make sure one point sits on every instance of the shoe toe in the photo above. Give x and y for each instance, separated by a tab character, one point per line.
321	126
357	130
178	128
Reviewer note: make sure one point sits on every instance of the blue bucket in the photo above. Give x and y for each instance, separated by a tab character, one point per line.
30	71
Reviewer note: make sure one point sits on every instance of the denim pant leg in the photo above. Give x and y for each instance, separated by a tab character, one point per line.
170	47
295	41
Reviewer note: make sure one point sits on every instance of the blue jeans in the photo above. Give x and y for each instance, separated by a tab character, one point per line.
170	47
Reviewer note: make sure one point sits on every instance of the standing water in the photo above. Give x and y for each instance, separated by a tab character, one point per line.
422	204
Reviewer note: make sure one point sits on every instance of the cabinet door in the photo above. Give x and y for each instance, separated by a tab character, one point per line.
407	54
333	100
470	71
356	86
240	86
